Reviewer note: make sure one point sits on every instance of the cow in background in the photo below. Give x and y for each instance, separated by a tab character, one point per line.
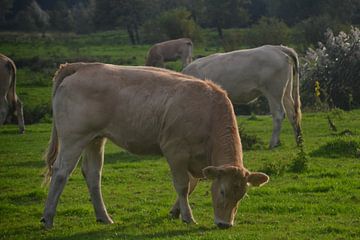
10	103
272	71
170	51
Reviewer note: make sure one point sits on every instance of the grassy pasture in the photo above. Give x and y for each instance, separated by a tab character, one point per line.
320	203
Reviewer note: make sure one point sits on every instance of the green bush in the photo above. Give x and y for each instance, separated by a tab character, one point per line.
338	148
250	141
333	69
172	24
267	31
312	30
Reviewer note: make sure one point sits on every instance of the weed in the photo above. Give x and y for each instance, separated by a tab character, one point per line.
341	147
250	141
300	162
273	168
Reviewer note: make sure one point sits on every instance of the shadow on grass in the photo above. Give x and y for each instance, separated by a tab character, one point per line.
116	233
338	148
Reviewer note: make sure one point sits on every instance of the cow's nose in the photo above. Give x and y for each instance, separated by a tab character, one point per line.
223	225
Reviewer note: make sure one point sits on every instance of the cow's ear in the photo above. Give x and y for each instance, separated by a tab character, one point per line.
257	179
211	172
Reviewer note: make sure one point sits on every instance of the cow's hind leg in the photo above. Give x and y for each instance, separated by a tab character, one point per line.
65	163
278	115
175	211
293	115
92	163
4	109
20	115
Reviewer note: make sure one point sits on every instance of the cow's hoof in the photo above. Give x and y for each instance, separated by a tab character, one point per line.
105	221
22	131
174	213
46	224
190	221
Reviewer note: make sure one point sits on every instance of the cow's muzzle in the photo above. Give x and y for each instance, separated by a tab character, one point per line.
223	225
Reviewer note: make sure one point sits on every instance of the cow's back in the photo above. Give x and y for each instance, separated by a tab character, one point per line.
241	73
138	108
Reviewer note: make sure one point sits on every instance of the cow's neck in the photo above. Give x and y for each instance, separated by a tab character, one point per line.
225	144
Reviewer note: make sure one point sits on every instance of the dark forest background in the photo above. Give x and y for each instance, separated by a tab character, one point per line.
151	21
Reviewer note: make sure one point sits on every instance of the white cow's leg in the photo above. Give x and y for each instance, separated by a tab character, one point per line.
4	109
278	114
20	115
175	211
92	163
291	114
65	163
182	186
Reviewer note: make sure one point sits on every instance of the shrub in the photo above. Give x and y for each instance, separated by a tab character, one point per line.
300	162
172	24
231	41
249	141
335	66
273	169
267	31
312	30
341	147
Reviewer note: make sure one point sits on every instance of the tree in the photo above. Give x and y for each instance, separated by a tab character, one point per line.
227	13
33	18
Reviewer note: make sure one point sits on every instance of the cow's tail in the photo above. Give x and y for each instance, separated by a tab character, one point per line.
52	151
295	91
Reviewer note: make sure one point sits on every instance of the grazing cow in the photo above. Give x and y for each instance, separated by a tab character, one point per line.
146	110
10	103
246	74
170	51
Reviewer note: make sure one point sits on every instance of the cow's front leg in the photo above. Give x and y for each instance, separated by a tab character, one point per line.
182	186
175	210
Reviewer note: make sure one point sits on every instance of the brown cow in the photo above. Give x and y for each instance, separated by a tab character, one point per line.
10	103
146	111
170	51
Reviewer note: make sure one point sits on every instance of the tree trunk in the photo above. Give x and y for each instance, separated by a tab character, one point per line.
131	34
137	36
220	32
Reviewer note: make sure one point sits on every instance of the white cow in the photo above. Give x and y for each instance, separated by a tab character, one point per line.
246	74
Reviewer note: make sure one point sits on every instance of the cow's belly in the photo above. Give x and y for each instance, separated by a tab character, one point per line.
136	141
244	97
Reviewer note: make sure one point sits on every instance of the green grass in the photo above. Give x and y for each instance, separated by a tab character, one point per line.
321	203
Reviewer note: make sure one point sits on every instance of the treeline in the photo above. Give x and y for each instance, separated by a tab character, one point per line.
149	21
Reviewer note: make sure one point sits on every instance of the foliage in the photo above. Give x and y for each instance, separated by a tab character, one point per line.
335	65
300	162
313	29
172	24
249	141
340	147
267	31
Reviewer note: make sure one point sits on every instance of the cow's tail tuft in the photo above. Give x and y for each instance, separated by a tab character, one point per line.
51	154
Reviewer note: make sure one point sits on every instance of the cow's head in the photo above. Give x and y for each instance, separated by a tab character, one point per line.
228	187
